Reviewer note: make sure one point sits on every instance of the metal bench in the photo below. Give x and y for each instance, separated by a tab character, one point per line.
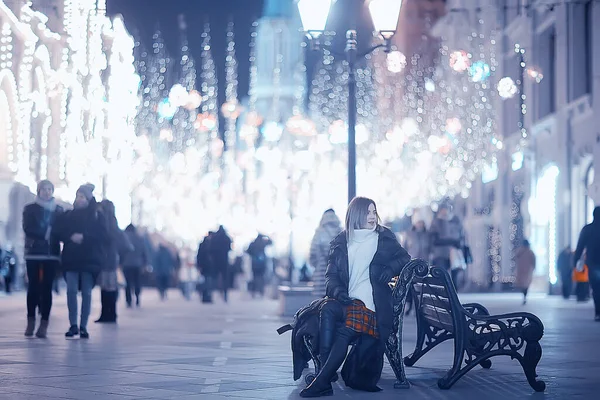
477	335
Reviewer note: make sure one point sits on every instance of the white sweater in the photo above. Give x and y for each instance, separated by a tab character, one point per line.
361	250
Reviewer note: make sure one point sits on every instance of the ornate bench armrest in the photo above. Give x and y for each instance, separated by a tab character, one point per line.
476	309
528	325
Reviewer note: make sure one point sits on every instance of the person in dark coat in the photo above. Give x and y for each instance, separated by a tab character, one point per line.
256	250
164	265
132	263
84	235
206	268
42	254
220	246
118	244
589	240
362	261
564	265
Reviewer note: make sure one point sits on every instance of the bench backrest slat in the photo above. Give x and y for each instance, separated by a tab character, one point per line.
432	301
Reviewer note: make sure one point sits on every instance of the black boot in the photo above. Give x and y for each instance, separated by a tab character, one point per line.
321	386
111	307
328	319
104	306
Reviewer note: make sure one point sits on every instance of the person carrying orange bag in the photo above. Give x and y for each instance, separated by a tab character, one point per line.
582	280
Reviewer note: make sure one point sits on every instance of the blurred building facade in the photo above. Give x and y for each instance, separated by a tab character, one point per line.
545	184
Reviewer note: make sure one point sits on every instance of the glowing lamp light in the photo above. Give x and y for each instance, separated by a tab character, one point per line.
205	122
453	126
301	126
506	88
535	74
166	135
479	71
385	15
460	60
231	109
166	109
194	100
396	61
338	133
313	14
409	127
362	134
429	85
253	119
178	95
272	131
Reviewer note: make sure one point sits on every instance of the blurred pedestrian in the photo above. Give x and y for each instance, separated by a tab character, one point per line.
447	240
42	252
133	263
589	240
164	265
220	246
581	277
525	264
418	245
564	265
84	234
329	228
118	244
206	268
258	256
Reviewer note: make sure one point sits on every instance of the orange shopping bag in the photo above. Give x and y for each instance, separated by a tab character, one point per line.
581	276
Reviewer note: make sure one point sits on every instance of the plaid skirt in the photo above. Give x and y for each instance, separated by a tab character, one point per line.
360	319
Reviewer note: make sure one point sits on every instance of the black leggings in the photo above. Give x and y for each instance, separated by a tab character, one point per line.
40	274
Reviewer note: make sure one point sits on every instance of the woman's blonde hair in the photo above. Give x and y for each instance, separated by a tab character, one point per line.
356	216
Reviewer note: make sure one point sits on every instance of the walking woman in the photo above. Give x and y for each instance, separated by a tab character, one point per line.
118	244
589	240
42	252
363	260
525	263
328	229
84	234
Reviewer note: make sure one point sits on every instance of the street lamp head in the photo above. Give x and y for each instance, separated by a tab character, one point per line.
313	14
385	14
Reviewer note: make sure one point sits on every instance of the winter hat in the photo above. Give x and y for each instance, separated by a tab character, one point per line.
43	183
87	190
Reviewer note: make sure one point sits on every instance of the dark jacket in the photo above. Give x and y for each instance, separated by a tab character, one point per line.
589	240
138	257
362	368
256	250
389	255
164	262
36	222
118	246
219	247
90	255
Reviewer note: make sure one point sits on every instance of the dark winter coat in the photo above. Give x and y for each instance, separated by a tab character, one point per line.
119	246
203	259
390	255
164	262
219	247
589	240
256	250
138	257
362	368
90	255
36	222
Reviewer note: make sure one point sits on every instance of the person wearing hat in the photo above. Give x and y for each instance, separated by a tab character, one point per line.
42	253
85	236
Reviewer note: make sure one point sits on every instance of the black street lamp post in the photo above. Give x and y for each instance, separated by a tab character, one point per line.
385	15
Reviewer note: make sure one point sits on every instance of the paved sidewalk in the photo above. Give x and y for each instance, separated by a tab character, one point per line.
187	350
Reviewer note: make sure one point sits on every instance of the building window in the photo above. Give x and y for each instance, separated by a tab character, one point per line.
547	87
579	49
589	41
589	202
